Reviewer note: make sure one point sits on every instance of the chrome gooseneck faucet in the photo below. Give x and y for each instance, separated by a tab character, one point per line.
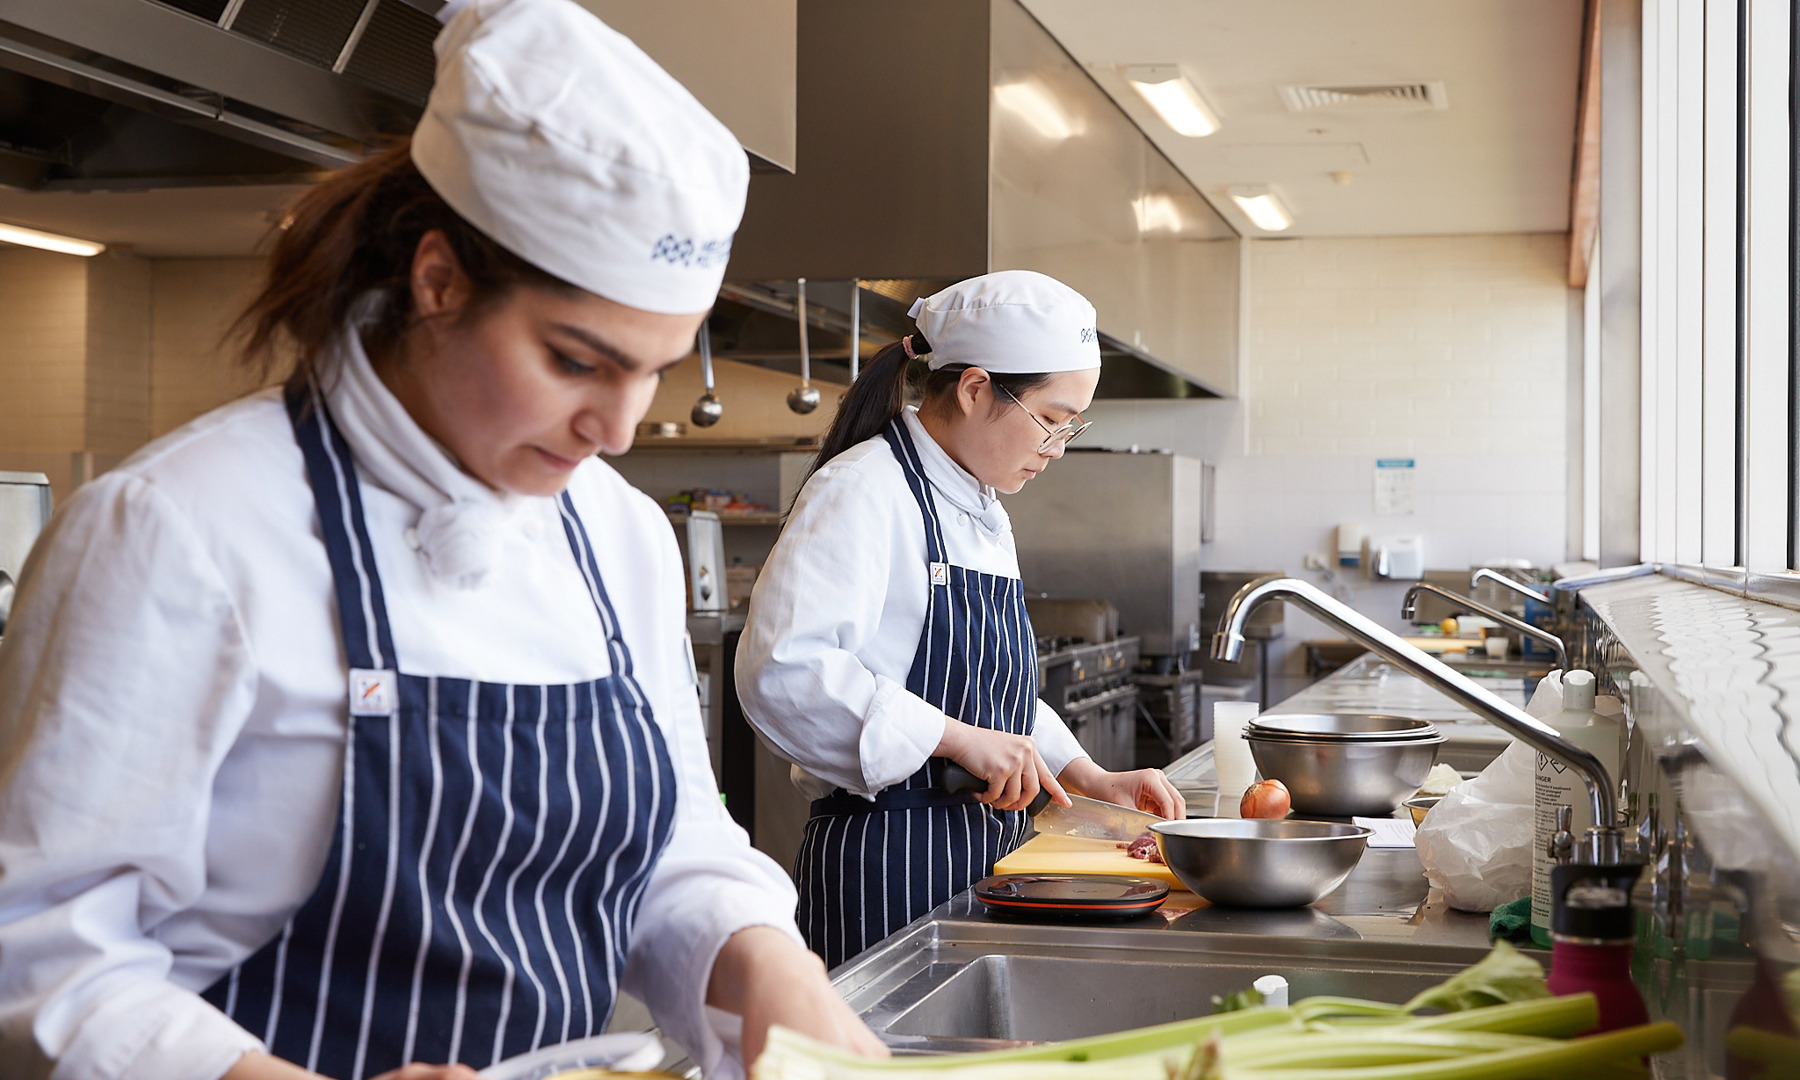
1463	603
1602	846
1484	574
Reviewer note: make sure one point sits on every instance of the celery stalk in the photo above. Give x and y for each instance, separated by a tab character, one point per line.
1520	1063
1573	1014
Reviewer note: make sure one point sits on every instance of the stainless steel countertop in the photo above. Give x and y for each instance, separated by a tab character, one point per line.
1385	898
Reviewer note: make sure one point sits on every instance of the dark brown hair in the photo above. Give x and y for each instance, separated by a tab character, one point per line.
353	233
879	394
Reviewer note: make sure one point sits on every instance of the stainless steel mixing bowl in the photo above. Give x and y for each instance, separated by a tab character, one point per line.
1341	779
1358	727
1257	862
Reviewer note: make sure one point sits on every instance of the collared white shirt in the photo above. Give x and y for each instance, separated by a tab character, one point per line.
173	712
837	611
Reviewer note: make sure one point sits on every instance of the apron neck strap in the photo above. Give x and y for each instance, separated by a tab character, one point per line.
362	606
901	440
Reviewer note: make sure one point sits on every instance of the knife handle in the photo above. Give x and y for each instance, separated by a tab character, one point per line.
958	780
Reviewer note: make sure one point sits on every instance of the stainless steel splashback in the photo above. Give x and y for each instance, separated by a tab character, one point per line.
914	162
1119	527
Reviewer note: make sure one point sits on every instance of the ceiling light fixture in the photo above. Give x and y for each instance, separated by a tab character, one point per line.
1174	97
1032	102
1261	205
67	245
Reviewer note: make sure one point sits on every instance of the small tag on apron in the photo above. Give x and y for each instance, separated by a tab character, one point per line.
940	573
373	693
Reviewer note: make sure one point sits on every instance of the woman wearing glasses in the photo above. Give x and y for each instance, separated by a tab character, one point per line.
887	634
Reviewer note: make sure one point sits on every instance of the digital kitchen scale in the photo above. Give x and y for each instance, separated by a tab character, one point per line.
1070	896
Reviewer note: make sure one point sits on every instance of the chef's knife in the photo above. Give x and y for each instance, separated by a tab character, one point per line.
1089	818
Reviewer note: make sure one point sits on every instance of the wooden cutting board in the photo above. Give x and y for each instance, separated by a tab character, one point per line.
1048	854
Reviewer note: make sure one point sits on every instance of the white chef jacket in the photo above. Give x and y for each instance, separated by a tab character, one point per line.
837	611
173	714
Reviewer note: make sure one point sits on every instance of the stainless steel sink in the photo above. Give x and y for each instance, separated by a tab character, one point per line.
958	981
1040	998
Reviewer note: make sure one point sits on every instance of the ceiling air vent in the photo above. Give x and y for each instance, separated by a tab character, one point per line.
1365	97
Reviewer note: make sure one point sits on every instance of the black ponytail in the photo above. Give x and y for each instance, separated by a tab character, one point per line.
873	400
879	393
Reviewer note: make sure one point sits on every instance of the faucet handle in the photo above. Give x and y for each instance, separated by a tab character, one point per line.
1561	845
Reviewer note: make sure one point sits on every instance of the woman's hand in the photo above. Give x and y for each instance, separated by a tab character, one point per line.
1141	789
1009	763
266	1067
763	976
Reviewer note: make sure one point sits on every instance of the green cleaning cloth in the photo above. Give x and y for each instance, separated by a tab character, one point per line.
1511	922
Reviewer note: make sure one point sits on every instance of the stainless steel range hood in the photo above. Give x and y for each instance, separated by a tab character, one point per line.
944	138
109	94
122	94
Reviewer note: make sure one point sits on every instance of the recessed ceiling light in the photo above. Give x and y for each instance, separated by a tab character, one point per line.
67	245
1261	205
1174	97
1032	102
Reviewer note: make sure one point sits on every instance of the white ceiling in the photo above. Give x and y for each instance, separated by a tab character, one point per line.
1498	160
166	222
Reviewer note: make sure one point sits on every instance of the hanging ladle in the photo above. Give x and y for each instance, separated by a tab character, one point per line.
708	409
805	397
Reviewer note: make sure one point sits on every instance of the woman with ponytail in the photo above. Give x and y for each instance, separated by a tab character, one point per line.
887	635
354	723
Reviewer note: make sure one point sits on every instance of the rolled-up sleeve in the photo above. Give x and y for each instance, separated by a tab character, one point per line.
125	677
819	601
709	882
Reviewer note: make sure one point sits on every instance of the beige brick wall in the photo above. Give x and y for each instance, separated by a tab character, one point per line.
118	357
43	330
192	369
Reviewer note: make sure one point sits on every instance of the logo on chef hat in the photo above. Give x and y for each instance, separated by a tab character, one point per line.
1089	335
684	251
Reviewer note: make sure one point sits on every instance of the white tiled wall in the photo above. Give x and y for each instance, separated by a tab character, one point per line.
1452	351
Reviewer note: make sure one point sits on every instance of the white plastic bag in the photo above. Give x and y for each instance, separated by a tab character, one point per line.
1476	843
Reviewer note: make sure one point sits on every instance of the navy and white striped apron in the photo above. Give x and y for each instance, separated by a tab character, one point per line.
867	869
492	845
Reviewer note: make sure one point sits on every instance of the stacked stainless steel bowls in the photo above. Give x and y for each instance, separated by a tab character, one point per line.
1344	764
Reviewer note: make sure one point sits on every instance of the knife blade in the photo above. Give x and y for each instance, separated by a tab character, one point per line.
1088	819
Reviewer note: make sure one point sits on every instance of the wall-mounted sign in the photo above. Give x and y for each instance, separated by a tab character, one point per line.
1396	486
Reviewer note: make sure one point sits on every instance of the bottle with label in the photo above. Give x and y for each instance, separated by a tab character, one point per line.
1559	785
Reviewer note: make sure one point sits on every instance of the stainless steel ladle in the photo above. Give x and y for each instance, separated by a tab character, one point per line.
709	408
805	397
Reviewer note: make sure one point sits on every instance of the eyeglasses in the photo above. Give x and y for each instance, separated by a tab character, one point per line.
1061	435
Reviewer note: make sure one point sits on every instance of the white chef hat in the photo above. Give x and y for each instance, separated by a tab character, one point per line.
560	140
1010	321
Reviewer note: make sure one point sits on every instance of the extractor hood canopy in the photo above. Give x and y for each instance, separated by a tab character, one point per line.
111	94
123	94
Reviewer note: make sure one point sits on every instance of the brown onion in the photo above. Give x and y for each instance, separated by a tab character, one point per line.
1265	799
